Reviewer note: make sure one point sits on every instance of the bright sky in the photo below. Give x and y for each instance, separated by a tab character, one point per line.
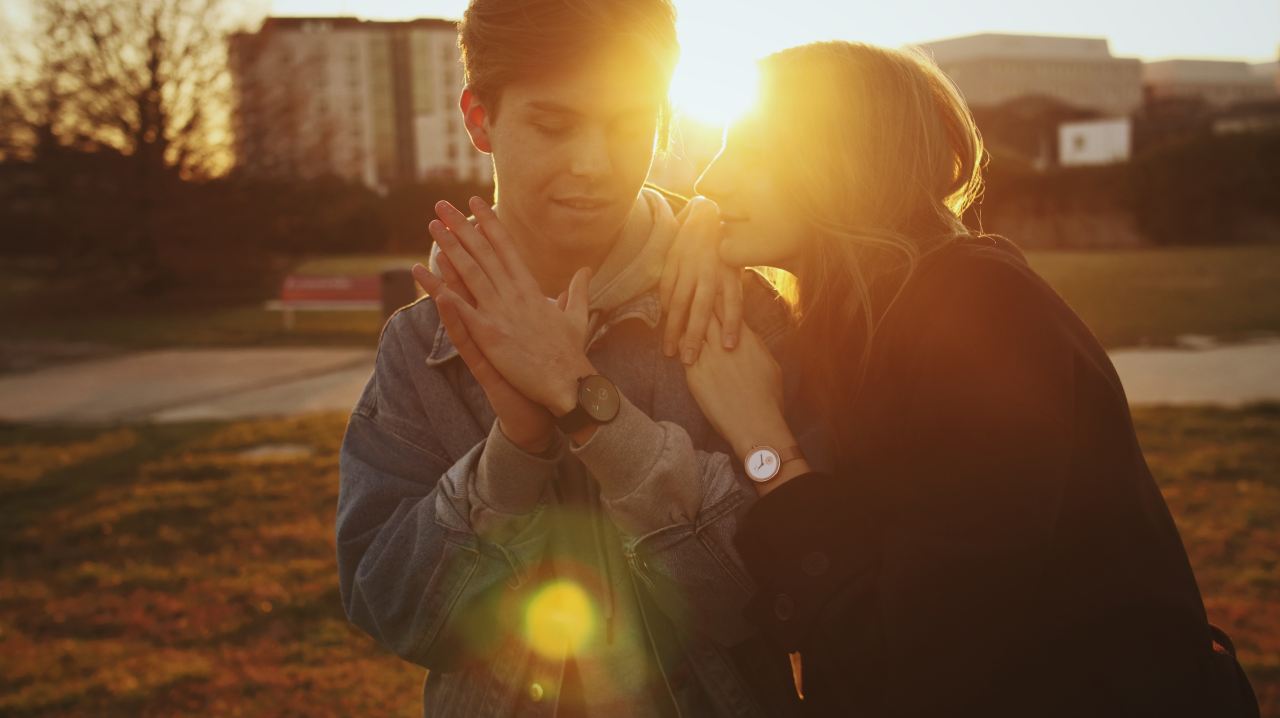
719	37
1150	29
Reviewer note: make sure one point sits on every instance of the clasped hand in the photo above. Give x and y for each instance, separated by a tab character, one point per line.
526	351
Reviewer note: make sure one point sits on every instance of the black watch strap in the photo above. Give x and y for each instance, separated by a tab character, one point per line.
574	420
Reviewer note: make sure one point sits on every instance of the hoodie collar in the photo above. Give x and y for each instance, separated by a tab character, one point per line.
624	286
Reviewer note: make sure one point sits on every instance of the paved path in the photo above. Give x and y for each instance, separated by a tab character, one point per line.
1229	375
172	385
180	385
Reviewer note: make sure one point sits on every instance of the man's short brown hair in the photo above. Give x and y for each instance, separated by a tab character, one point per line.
508	40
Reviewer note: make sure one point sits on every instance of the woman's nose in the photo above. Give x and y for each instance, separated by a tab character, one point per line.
712	182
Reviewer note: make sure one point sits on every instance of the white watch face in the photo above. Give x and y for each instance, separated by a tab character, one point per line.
762	463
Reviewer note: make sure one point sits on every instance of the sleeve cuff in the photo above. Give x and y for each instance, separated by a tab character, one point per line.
803	543
648	472
621	453
509	479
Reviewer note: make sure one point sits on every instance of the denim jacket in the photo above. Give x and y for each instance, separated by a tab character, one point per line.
437	571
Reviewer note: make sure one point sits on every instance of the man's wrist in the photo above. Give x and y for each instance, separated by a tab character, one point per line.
565	398
583	435
533	444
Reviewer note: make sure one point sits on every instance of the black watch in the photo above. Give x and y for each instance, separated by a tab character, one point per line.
598	402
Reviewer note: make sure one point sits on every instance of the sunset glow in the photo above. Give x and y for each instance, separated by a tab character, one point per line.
721	39
1240	29
714	92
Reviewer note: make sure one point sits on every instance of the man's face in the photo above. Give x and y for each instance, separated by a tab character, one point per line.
571	152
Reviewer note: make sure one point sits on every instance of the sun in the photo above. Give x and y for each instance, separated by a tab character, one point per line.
714	88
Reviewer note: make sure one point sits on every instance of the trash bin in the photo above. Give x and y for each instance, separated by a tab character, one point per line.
398	289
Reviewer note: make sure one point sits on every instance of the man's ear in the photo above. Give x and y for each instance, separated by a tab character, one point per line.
475	117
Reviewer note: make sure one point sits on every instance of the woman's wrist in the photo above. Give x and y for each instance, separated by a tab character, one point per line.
778	437
789	471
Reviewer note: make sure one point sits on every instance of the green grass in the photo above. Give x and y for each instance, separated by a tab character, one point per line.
40	315
370	264
156	570
245	325
1140	297
1128	298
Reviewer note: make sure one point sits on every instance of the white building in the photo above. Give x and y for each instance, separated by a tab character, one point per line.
991	69
1220	83
1095	142
369	101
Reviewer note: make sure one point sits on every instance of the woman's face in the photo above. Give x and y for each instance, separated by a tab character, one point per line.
760	227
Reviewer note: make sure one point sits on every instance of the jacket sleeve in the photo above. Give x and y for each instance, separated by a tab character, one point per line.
679	506
413	571
934	553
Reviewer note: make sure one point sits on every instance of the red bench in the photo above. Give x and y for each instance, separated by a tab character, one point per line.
327	294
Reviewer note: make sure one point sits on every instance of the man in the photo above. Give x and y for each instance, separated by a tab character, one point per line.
545	544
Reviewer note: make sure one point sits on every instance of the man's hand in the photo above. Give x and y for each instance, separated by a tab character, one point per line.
527	424
535	345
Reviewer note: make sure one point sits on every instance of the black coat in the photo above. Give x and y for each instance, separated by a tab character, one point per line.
990	541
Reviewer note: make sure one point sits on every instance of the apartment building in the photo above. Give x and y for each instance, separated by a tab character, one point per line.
371	101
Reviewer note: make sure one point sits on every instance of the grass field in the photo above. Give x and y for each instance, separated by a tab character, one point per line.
45	324
1140	297
163	571
1129	298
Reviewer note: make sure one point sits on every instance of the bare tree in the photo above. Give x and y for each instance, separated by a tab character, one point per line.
153	77
147	82
33	88
146	77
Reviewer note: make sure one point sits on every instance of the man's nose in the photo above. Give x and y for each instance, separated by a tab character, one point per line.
591	155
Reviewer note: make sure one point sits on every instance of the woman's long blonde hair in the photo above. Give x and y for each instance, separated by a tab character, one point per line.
880	155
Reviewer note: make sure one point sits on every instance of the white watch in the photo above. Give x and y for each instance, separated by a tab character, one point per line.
764	462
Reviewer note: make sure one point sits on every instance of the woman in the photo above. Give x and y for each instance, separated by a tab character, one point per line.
983	536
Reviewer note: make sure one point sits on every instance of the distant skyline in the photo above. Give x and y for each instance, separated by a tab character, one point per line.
1149	29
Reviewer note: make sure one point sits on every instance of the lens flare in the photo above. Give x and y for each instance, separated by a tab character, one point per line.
559	619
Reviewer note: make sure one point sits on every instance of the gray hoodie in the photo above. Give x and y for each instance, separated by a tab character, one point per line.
447	532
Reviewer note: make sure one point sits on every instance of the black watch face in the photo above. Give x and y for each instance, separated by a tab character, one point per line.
599	397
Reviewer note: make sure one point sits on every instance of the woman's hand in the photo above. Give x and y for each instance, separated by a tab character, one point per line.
695	283
740	391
